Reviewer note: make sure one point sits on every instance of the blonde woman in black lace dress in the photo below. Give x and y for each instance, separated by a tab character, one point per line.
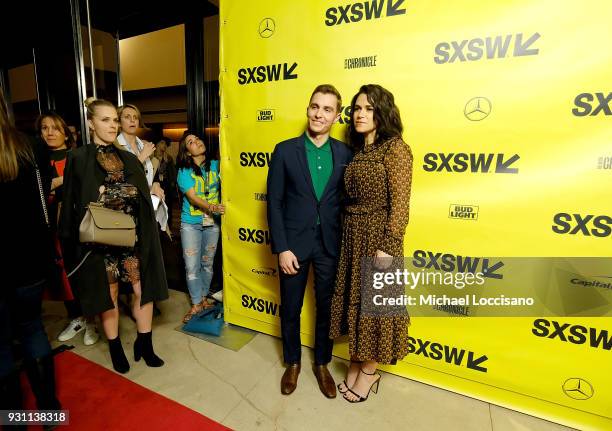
377	182
102	172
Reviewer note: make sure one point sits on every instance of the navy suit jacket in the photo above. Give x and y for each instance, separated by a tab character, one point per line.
293	207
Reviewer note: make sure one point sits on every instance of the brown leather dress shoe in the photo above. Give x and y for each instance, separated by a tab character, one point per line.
325	380
290	378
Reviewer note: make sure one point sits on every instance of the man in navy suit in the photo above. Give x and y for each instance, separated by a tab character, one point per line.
305	189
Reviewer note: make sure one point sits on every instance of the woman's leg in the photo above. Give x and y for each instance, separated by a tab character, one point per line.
351	375
191	240
110	318
142	313
210	238
366	377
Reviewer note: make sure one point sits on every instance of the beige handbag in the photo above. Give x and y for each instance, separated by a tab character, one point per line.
107	226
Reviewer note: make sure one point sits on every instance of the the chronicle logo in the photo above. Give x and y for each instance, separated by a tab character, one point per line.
449	262
577	388
576	334
367	10
584	106
587	225
359	62
472	162
477	109
492	47
267	271
261	197
255	159
463	212
267	26
604	163
257	236
270	72
265	115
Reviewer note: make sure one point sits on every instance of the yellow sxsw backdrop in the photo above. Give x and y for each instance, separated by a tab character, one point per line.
531	97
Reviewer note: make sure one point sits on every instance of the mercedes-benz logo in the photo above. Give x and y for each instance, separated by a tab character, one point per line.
578	389
477	109
267	26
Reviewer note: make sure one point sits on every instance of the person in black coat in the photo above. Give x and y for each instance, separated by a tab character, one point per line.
304	202
102	172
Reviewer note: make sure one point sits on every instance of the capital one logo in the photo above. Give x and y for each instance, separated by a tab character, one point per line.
587	105
367	10
267	26
489	47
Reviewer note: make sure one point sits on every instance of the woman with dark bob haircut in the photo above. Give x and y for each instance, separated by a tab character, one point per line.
378	184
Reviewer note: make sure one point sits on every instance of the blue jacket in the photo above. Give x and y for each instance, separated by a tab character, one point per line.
293	207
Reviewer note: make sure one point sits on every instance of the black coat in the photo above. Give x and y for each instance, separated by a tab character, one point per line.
83	177
293	207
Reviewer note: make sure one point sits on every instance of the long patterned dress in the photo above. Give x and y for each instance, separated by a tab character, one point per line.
378	183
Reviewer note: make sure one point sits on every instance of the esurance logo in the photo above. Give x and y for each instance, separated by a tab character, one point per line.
587	225
585	106
256	236
250	159
449	262
270	72
472	162
367	10
575	334
265	115
491	47
463	212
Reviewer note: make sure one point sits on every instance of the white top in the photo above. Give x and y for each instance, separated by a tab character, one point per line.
147	163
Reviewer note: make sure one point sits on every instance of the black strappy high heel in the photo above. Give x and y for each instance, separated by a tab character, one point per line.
344	381
373	388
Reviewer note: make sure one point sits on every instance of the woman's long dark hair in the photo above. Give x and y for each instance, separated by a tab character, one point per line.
184	159
386	115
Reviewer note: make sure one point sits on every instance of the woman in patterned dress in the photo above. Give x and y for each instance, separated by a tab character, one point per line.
102	172
378	184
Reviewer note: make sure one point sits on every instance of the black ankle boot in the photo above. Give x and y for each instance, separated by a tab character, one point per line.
41	374
143	347
120	362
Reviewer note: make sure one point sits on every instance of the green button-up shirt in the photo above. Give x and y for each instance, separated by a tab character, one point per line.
320	164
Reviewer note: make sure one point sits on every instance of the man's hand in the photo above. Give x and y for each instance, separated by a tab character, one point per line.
147	151
382	260
288	263
57	182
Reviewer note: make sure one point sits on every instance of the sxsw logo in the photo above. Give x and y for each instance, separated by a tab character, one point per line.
345	115
257	236
260	305
599	226
463	212
472	162
261	197
491	47
449	262
576	334
604	163
367	10
271	72
585	106
255	159
265	115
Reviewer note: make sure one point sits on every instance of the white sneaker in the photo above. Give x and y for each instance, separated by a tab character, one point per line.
74	327
218	296
91	334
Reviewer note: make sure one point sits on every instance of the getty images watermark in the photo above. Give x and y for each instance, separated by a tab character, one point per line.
518	287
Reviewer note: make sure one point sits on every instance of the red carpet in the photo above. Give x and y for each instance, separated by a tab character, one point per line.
99	399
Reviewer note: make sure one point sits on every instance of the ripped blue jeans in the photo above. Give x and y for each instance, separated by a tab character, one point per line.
199	248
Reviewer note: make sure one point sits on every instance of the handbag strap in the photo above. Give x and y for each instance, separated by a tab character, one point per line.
42	195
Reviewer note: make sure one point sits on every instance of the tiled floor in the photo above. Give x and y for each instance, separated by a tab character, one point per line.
241	389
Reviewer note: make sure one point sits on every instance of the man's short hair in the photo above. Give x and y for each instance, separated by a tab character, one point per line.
328	89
